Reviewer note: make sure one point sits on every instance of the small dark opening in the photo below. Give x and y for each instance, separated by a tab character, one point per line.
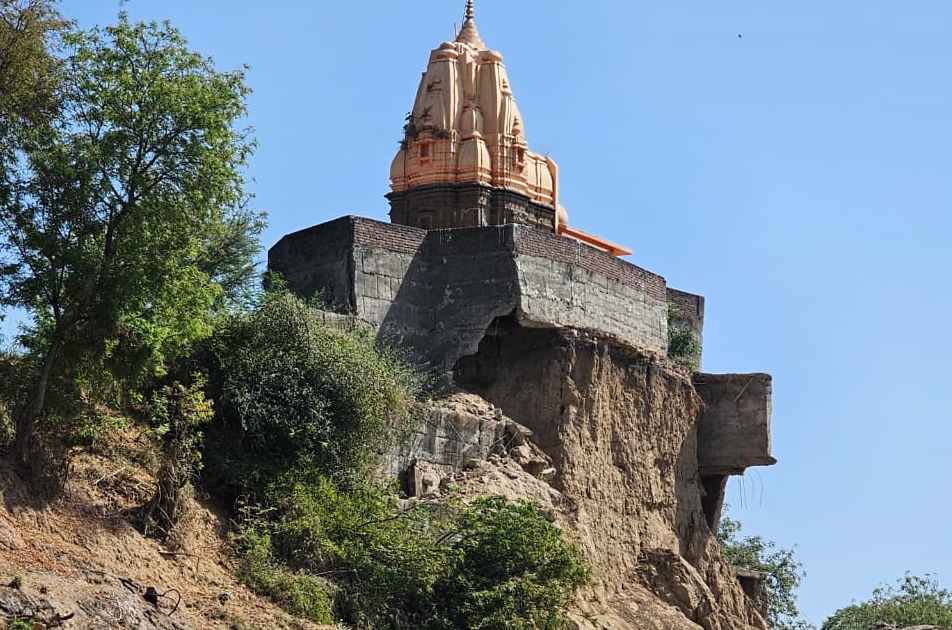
713	498
479	372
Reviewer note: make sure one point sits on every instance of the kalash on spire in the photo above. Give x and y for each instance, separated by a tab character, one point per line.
464	160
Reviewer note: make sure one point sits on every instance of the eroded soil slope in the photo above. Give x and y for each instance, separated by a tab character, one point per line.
620	429
613	449
82	565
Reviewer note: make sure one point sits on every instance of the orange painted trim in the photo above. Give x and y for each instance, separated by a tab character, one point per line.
595	241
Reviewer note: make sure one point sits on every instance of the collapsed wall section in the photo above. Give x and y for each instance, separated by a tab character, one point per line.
458	282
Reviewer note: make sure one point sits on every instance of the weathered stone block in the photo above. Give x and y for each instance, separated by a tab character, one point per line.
734	428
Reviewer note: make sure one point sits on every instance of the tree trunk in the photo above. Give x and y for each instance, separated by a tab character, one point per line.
27	415
160	514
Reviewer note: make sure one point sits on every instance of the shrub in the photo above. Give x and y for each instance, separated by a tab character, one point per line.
299	593
510	568
381	558
289	388
684	348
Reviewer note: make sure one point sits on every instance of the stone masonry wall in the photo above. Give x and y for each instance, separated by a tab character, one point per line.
437	291
318	261
569	283
456	285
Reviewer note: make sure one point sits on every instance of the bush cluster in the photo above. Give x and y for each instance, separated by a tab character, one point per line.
914	601
490	565
290	389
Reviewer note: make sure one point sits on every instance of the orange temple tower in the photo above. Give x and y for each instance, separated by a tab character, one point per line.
464	160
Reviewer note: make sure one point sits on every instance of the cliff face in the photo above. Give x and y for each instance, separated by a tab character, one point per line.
620	429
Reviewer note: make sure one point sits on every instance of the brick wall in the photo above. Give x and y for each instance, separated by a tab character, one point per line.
690	307
389	236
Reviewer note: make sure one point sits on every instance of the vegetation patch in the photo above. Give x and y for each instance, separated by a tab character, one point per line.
913	601
302	410
493	564
684	347
783	573
290	390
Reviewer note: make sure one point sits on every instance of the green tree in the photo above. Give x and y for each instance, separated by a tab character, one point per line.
913	601
127	222
28	68
783	572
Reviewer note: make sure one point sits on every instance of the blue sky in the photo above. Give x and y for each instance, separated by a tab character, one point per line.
790	161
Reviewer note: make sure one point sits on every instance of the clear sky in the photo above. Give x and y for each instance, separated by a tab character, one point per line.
790	161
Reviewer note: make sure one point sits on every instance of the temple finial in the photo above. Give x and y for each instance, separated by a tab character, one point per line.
468	34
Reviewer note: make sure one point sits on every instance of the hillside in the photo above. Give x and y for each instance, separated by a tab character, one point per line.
602	433
83	565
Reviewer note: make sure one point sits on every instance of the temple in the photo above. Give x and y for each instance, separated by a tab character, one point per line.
464	160
478	244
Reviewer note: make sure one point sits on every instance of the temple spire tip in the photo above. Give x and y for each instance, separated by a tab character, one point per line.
468	34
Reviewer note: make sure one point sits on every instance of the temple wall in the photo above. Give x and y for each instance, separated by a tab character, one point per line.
569	283
437	291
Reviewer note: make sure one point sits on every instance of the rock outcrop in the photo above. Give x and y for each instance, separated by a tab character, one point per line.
619	427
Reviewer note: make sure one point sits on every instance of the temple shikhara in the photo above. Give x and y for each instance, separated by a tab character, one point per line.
464	160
